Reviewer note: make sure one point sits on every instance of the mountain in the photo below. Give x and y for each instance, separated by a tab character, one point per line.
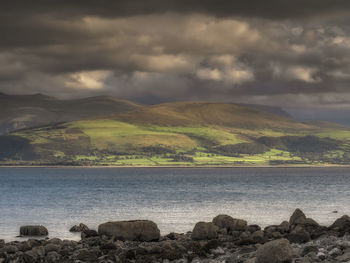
204	113
25	111
181	133
270	109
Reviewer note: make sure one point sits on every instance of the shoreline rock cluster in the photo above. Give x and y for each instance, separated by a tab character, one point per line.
225	239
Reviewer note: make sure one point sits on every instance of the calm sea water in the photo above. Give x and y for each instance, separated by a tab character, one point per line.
174	198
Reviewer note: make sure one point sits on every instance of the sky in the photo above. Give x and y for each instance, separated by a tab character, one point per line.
294	54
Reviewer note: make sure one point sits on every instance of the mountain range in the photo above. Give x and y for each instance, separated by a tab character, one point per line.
42	130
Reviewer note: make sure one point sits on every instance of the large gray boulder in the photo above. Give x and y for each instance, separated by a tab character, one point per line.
231	224
204	231
33	231
297	218
277	251
136	230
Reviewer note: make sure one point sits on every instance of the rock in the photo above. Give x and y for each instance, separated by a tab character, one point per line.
173	236
231	224
321	255
86	255
244	235
217	251
55	241
40	251
52	247
343	258
23	247
269	230
303	260
30	256
196	249
33	231
171	254
9	249
250	260
309	249
311	226
276	235
108	246
299	235
33	243
138	230
253	228
258	236
244	238
311	222
313	257
341	225
89	233
297	218
53	257
277	251
203	230
335	252
211	244
224	232
284	227
80	228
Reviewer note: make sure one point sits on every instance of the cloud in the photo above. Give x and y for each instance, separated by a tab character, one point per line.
338	74
303	74
91	80
227	69
341	41
163	63
272	9
154	51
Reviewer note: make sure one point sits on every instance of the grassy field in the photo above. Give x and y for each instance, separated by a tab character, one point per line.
119	136
184	134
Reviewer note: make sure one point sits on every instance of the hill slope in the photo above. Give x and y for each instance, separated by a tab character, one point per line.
203	113
25	111
183	133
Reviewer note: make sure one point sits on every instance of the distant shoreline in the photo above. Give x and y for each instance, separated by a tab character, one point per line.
176	166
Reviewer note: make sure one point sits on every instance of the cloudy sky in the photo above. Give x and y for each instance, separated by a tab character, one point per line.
294	54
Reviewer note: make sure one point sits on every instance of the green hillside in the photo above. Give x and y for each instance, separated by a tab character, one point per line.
186	133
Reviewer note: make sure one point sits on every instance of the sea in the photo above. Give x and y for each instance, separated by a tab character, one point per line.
174	198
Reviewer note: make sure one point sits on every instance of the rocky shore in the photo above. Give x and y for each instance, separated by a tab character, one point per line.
225	239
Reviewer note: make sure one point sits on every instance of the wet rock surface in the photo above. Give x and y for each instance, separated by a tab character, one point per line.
276	251
203	231
79	228
33	231
136	230
223	240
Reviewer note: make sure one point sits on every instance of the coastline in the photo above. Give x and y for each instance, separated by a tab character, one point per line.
178	166
223	240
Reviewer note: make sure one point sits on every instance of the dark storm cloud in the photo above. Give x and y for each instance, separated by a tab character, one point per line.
275	9
279	52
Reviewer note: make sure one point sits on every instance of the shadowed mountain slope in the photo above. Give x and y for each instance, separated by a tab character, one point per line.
203	113
24	111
